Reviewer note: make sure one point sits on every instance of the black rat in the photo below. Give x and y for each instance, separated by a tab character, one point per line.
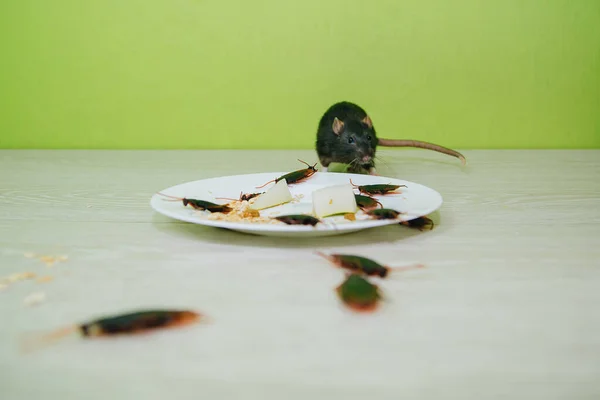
346	135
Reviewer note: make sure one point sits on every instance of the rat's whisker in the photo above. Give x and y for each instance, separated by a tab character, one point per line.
353	161
383	160
356	165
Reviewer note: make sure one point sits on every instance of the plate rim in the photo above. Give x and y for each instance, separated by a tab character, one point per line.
287	229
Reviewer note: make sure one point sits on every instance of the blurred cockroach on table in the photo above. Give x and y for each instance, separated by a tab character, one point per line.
124	324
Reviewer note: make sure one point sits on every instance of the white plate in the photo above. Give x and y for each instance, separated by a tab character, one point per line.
414	201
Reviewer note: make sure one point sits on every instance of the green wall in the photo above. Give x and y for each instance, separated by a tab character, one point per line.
259	73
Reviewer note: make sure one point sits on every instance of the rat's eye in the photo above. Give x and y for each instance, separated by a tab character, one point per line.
368	137
350	139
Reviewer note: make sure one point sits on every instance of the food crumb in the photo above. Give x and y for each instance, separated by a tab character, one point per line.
19	276
12	278
350	216
48	260
34	299
297	198
241	212
44	279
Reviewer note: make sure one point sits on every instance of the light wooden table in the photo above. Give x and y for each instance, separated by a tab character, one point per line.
507	308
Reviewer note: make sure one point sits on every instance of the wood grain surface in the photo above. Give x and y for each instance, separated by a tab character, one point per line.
506	308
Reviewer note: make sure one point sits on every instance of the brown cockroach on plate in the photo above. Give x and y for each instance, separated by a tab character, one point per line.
298	219
363	265
383	213
200	204
124	324
376	189
295	176
366	203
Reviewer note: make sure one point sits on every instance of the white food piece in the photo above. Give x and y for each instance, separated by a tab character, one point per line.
334	200
278	194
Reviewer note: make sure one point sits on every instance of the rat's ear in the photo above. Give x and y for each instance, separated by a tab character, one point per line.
367	121
338	126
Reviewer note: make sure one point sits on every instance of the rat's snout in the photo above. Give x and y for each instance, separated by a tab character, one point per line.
366	159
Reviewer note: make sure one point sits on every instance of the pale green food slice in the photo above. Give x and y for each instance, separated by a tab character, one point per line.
339	167
278	194
333	200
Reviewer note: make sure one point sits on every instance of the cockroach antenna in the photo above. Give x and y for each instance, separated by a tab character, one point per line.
170	197
294	176
307	164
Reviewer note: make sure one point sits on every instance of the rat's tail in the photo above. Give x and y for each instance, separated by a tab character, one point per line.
422	145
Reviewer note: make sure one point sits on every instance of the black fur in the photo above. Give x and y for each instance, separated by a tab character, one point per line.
337	148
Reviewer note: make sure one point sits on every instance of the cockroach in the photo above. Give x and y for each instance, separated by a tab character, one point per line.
298	219
295	176
200	204
383	213
124	324
243	196
419	223
363	265
376	189
366	203
358	293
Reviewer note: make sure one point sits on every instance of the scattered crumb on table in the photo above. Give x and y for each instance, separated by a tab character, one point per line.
15	277
18	276
48	260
